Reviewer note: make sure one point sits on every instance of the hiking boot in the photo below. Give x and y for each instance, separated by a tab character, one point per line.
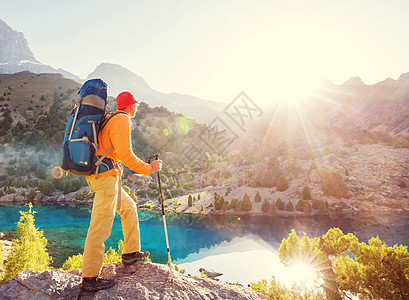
96	284
130	258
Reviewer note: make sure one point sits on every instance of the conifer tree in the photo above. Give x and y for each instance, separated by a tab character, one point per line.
306	193
282	183
29	250
290	206
265	206
246	204
280	204
257	197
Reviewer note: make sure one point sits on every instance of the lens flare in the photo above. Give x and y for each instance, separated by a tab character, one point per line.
183	125
56	172
167	131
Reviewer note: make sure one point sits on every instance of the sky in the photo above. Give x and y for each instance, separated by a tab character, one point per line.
216	49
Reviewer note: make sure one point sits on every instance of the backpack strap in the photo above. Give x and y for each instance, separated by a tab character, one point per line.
77	105
109	117
99	161
103	123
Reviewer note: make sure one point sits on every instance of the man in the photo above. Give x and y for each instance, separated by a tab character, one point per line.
116	134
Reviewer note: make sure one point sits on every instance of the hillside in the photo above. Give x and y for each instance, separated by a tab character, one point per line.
311	144
27	94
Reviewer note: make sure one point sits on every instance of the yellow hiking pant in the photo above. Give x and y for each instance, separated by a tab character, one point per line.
102	218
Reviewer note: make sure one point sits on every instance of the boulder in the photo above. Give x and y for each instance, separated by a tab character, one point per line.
142	280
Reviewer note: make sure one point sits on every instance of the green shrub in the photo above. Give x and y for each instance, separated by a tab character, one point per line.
282	183
31	195
29	250
333	185
246	204
289	206
303	205
73	262
257	197
112	256
265	206
46	187
306	193
280	205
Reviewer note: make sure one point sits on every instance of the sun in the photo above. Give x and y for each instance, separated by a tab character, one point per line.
301	274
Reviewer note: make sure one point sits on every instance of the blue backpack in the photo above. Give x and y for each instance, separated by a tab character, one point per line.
81	133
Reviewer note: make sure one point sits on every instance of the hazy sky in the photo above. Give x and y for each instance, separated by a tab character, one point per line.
215	49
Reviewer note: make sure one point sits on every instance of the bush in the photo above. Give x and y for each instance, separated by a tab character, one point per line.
321	205
333	185
265	206
31	195
303	205
306	193
110	257
280	205
282	183
238	205
246	204
46	187
290	206
257	197
29	250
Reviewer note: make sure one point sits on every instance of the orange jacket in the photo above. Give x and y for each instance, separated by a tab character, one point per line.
117	133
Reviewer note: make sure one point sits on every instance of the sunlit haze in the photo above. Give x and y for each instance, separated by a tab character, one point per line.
269	49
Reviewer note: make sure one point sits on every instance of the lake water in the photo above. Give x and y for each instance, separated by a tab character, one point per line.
244	248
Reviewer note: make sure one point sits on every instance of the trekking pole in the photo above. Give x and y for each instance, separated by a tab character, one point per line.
156	157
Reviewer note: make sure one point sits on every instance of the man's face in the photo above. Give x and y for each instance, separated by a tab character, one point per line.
134	109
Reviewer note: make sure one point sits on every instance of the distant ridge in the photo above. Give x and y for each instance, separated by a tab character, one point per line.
121	79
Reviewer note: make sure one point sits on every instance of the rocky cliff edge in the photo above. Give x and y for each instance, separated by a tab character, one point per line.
142	280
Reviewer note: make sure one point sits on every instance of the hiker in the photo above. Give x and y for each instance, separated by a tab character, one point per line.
116	133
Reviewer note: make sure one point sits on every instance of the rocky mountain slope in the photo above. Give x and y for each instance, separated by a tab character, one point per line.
382	107
16	56
139	281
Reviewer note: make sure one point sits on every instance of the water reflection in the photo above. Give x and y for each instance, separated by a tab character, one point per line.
65	228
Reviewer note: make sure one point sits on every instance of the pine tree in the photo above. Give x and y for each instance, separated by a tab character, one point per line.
190	201
29	250
265	206
280	205
282	183
257	197
306	193
246	204
290	206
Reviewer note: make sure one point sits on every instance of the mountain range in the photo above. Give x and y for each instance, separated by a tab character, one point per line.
16	56
382	107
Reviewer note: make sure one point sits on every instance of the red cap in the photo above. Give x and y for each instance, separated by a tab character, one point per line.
125	99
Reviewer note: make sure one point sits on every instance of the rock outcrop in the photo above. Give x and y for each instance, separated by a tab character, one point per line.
16	56
142	280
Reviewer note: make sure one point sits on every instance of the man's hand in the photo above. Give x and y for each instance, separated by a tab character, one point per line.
156	166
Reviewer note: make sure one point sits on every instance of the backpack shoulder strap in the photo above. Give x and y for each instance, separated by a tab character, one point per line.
109	117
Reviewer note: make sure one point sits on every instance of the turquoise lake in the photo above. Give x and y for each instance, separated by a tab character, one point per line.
195	240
